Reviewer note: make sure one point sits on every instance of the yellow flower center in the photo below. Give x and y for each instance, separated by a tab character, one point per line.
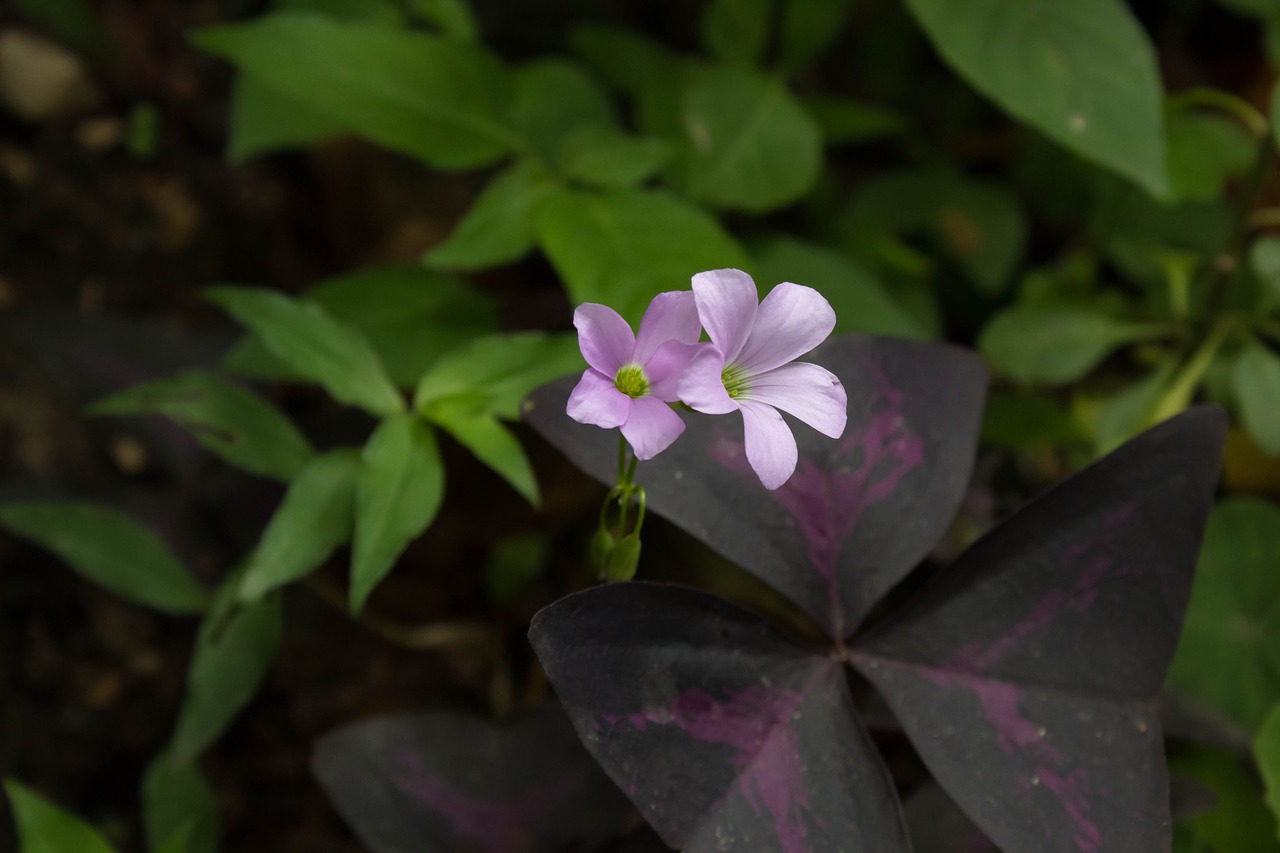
631	381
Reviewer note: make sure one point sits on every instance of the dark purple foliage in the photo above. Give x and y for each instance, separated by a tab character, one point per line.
447	782
1025	674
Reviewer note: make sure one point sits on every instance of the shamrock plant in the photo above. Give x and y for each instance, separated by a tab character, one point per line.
1023	673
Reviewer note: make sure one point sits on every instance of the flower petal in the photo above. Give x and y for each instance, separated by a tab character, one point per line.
595	401
809	392
792	320
667	366
701	387
651	428
771	448
727	302
604	337
671	316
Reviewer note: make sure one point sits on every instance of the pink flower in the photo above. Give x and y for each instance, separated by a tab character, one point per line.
633	377
750	367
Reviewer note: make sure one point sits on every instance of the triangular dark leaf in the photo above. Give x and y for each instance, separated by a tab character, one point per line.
449	782
859	512
1024	675
726	735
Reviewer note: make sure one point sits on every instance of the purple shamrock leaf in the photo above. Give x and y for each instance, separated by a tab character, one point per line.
1026	673
725	735
449	782
857	515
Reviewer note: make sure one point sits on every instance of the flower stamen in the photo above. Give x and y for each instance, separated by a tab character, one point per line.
630	380
734	378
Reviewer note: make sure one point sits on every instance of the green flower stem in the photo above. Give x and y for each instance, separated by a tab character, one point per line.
1237	107
1178	397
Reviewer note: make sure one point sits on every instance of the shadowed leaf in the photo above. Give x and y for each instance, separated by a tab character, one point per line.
447	782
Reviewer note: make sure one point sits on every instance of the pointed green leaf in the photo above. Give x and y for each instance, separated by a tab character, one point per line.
314	519
498	229
45	828
749	144
494	445
1257	386
233	422
315	344
605	157
410	315
109	548
1055	345
1205	151
398	493
1225	655
1084	73
263	120
859	300
434	98
491	375
179	809
621	249
234	649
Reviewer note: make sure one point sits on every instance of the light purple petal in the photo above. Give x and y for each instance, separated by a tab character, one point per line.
595	401
727	302
604	337
701	387
651	428
809	392
792	320
667	366
671	316
771	448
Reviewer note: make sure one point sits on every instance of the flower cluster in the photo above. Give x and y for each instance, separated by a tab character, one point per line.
748	366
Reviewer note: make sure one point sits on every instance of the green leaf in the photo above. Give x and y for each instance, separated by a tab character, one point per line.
1133	409
1266	749
748	143
45	828
625	58
178	842
409	315
554	98
385	12
1084	73
431	97
1224	657
234	649
314	519
228	420
177	802
1239	821
398	493
1054	346
498	229
1257	386
1264	260
621	249
315	344
492	375
262	120
978	224
605	157
109	548
737	31
859	300
494	445
809	29
1205	151
844	121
